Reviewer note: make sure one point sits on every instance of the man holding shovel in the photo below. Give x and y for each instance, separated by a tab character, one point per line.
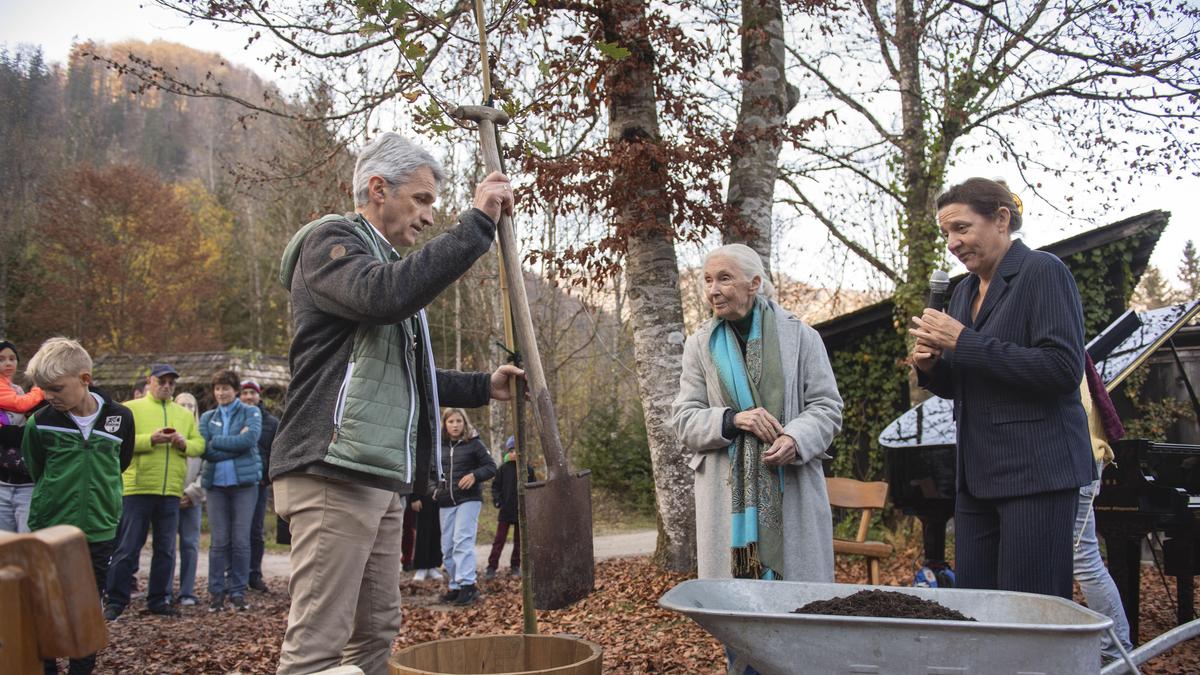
360	428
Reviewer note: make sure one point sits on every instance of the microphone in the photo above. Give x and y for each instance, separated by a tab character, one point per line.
939	282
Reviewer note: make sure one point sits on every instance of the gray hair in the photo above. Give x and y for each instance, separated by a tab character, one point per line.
749	262
393	158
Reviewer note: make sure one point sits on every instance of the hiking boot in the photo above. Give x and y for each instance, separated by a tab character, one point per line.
449	596
165	610
218	603
112	612
489	573
467	595
239	603
257	584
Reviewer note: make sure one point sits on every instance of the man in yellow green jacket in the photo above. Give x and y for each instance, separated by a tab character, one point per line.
166	435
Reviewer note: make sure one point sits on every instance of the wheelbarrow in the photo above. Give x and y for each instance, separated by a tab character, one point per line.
1013	633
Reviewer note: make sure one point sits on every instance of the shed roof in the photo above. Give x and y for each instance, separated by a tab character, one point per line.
195	368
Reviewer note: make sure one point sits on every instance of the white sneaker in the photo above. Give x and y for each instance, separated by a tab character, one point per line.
434	573
421	575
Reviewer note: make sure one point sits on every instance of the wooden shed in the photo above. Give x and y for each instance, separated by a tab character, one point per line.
117	374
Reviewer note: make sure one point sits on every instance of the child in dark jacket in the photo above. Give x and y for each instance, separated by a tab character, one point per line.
466	463
504	497
75	449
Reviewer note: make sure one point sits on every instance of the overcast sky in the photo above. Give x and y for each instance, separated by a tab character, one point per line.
56	25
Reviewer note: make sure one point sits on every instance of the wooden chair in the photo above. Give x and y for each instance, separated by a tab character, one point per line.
48	599
848	493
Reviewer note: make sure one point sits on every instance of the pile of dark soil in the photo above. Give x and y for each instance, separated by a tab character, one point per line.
883	604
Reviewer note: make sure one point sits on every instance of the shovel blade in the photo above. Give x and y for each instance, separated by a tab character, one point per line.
559	520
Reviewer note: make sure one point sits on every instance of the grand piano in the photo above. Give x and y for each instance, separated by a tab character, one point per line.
1150	487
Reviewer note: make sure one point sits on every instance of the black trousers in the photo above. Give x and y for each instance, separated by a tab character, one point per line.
101	552
1016	544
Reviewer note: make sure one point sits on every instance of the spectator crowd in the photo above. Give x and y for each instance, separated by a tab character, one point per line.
157	464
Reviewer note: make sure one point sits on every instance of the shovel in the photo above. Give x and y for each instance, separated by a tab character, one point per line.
559	509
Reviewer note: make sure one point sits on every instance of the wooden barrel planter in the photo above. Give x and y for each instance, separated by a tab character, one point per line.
500	654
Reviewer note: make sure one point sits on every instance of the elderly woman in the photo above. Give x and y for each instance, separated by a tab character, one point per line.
757	406
1009	352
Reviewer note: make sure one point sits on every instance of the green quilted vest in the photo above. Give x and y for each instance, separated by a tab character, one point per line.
376	416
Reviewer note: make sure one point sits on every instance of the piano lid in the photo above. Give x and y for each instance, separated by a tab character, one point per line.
1120	348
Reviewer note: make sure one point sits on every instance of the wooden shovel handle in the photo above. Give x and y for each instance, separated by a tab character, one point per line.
543	407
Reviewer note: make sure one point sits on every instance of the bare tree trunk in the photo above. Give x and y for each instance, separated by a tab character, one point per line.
4	283
920	183
552	336
653	275
754	153
253	228
499	413
457	327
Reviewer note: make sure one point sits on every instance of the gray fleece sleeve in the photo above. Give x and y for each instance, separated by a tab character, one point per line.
345	280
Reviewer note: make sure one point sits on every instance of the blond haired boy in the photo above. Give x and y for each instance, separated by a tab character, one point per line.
76	448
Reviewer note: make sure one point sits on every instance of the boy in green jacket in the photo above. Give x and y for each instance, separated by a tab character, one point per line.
75	449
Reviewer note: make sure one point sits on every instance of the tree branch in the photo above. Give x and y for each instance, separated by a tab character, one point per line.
843	96
854	246
846	163
883	36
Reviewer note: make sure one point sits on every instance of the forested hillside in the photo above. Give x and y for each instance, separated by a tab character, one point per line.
143	221
140	221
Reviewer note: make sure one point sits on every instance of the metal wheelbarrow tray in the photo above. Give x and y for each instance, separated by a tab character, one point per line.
1014	633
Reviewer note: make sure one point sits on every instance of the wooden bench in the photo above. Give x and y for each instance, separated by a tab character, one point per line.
848	493
48	602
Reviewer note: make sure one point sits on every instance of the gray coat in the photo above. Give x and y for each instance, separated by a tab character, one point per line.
812	416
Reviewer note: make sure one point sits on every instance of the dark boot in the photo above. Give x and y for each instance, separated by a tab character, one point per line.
467	595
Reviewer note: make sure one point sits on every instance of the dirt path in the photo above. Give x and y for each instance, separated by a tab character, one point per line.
279	565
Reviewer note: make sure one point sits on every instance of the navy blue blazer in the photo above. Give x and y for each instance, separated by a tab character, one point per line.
1014	376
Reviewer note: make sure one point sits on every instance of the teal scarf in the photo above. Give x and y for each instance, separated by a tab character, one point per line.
753	380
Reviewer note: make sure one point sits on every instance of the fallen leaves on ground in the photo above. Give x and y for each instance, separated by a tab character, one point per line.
622	616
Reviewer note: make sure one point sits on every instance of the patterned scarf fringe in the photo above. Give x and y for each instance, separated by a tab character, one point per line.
746	564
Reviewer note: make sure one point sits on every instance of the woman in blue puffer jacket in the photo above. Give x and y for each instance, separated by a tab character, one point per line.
232	469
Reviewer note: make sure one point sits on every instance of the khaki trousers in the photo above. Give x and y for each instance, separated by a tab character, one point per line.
345	583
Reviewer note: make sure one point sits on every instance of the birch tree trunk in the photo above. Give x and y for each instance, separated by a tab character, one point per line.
762	114
653	276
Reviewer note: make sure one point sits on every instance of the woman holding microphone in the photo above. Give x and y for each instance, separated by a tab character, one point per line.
1009	352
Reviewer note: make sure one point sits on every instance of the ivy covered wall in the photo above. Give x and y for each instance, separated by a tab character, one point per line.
873	381
1104	276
